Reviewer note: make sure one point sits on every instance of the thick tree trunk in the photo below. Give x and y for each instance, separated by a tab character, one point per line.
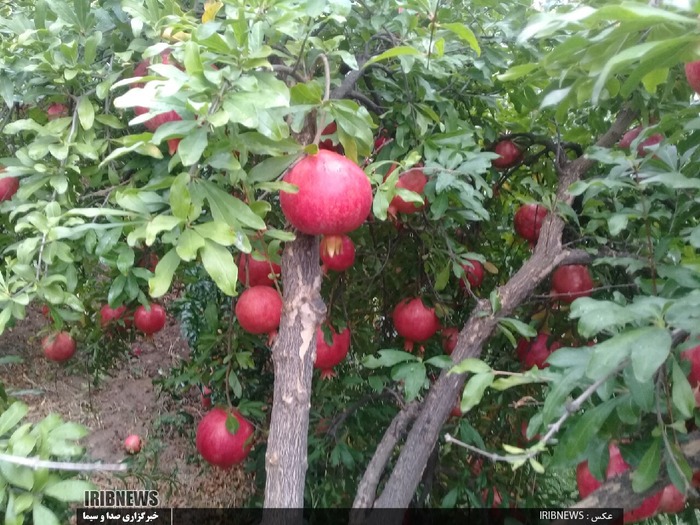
548	254
293	357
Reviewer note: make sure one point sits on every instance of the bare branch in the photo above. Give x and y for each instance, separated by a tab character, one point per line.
36	463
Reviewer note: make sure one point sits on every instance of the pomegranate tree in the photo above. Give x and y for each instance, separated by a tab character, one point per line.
535	352
337	252
570	282
150	319
474	273
692	74
58	347
259	310
449	339
528	221
328	356
219	446
510	155
415	322
334	197
253	272
413	180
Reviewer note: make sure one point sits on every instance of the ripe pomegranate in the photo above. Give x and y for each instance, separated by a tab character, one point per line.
523	430
643	146
259	310
449	339
205	397
337	252
328	356
528	221
58	347
381	141
158	120
535	352
570	282
693	357
413	180
473	273
252	272
647	509
628	138
510	155
46	311
108	314
8	186
328	144
415	322
692	74
132	444
56	110
672	500
334	197
150	321
457	409
148	260
217	445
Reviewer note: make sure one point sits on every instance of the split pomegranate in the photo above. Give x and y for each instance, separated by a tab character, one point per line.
58	347
259	310
8	186
217	445
570	282
535	352
108	314
252	272
150	321
528	221
415	322
337	252
413	180
56	110
449	339
334	197
473	273
328	356
510	155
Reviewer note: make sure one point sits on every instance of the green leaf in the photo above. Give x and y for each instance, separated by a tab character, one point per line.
189	243
576	440
474	390
219	264
648	470
514	324
681	392
227	208
180	199
192	146
193	62
218	232
413	375
464	33
70	431
393	52
160	223
43	515
471	365
595	316
270	169
12	416
69	490
439	361
647	345
159	284
650	352
387	358
86	113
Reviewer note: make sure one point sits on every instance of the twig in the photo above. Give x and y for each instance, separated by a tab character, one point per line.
37	463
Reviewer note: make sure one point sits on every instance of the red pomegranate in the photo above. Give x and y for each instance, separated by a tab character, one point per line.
457	408
8	186
337	252
628	138
692	355
132	444
205	397
328	144
647	509
217	445
413	180
252	272
587	483
449	339
58	347
334	197
56	110
158	120
570	282
328	356
415	322
259	310
510	155
150	320
643	146
692	74
672	500
473	273
148	260
528	221
535	352
381	141
108	314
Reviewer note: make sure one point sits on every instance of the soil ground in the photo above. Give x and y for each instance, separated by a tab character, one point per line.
126	402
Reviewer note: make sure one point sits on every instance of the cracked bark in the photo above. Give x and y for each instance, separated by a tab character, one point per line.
548	254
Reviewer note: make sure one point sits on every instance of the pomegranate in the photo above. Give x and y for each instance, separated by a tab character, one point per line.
148	260
150	320
205	397
570	282
473	273
449	339
510	155
108	314
217	445
692	74
381	141
628	138
334	197
252	272
413	180
259	310
132	444
523	431
643	146
328	356
46	311
672	500
415	322
693	356
647	509
528	221
337	252
457	409
56	110
58	347
535	352
158	120
8	186
328	144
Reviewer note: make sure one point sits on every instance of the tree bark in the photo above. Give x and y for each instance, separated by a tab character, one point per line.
548	254
293	357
